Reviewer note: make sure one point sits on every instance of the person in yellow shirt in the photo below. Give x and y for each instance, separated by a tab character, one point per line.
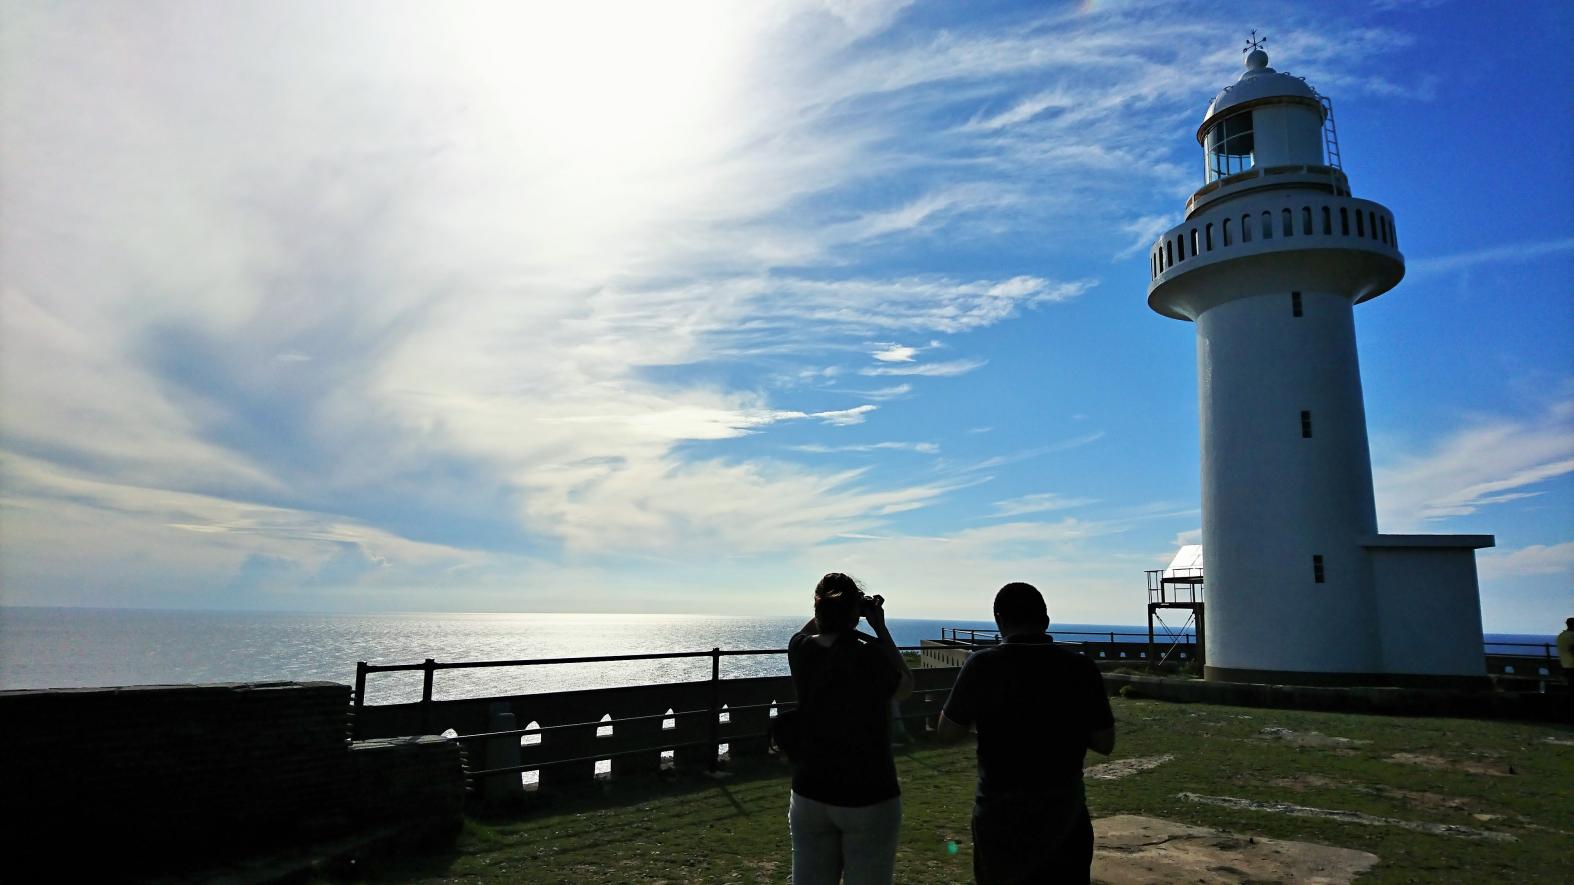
1566	660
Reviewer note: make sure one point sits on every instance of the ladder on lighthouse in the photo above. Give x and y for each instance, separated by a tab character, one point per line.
1330	134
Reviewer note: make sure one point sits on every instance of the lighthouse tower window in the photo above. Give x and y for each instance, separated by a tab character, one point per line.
1230	145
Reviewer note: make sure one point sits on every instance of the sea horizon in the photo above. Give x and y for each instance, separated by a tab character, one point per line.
80	647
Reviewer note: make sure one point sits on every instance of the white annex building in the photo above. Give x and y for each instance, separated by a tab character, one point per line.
1273	256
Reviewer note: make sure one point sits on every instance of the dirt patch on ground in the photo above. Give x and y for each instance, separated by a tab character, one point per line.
1429	801
1114	771
1308	781
1314	739
1416	798
1132	848
1469	766
1354	817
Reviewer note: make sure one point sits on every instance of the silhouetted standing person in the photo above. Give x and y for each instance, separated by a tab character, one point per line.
1038	708
846	809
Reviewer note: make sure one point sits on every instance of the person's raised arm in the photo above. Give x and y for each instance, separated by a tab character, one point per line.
811	627
874	613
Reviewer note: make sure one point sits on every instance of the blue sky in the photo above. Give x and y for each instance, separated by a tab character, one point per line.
673	307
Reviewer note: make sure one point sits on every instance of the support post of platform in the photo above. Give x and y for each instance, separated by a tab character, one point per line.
1150	637
1202	641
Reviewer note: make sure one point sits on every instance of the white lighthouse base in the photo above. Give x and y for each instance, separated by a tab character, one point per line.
1428	612
1428	603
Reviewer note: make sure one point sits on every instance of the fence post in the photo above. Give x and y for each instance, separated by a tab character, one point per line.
715	707
360	700
426	697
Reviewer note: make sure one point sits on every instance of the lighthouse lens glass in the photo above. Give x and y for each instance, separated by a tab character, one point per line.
1230	145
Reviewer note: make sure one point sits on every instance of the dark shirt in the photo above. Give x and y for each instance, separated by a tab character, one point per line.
1035	704
844	695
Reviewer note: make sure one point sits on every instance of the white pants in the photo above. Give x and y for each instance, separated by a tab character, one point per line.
832	843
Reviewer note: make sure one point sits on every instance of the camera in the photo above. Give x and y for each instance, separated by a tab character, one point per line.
868	603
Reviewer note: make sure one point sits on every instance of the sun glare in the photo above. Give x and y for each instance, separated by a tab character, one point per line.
599	84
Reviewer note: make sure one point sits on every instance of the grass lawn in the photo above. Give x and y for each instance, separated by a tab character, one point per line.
1504	778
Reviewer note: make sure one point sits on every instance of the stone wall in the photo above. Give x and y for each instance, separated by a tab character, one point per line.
1390	701
175	776
390	777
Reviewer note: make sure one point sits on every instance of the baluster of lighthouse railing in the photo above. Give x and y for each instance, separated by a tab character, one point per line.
428	668
360	700
715	707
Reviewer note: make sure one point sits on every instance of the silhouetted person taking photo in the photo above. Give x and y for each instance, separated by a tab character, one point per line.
846	807
1038	708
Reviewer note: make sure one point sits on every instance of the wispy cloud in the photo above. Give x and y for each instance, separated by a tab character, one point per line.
879	394
845	417
1036	452
956	574
1039	503
913	304
1143	232
1536	559
925	448
1158	510
932	210
895	353
1489	462
947	369
718	421
57	512
1058	99
1508	253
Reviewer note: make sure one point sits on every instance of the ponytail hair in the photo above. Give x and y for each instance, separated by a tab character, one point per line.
837	599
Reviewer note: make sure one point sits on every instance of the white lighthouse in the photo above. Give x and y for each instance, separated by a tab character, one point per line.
1273	256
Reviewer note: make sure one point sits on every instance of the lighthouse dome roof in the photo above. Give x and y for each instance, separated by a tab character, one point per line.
1257	82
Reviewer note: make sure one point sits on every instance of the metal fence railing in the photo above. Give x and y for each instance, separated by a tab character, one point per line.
429	668
980	636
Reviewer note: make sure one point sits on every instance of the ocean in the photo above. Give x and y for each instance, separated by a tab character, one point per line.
74	647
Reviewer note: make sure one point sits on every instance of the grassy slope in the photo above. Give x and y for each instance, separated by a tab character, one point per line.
735	830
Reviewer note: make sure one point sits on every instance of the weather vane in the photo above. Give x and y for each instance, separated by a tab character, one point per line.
1254	42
